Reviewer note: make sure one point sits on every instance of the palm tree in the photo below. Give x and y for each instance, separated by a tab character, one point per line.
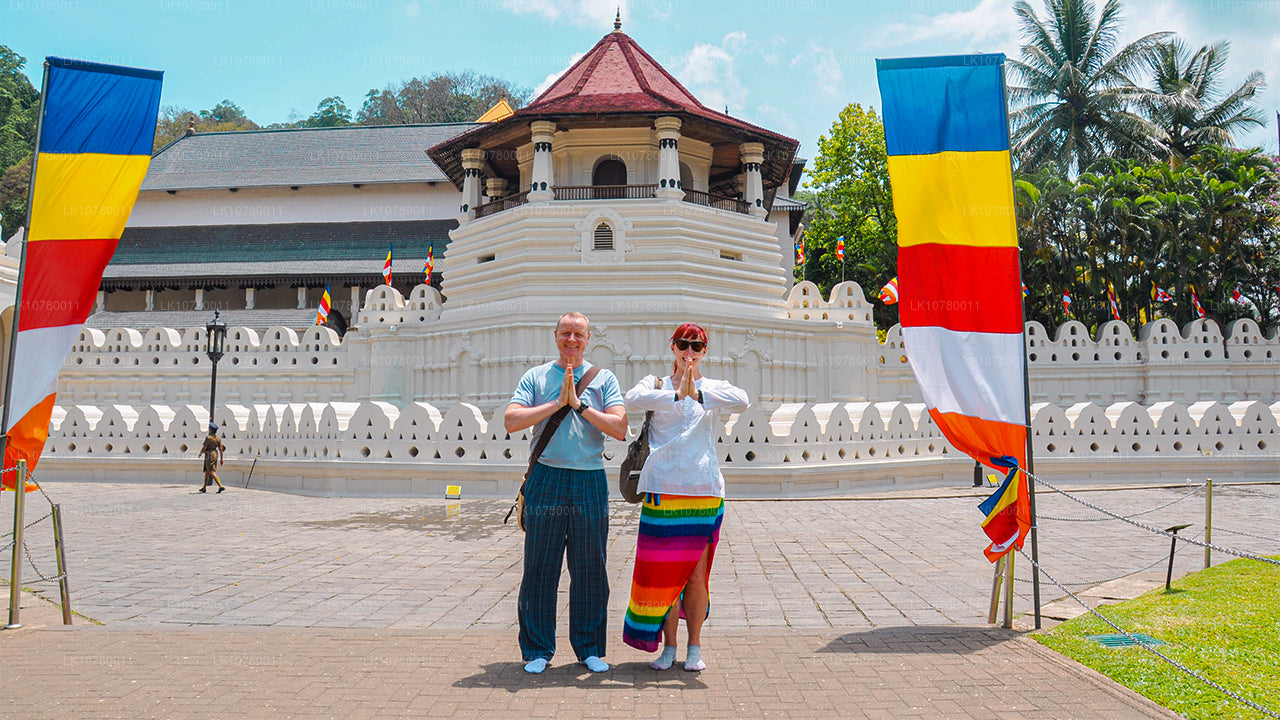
1185	102
1075	103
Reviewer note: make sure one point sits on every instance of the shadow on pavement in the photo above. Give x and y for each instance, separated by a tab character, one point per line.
920	639
510	676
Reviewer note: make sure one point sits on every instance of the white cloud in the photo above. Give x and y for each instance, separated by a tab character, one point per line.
989	27
823	68
412	9
551	79
591	13
772	54
778	120
710	73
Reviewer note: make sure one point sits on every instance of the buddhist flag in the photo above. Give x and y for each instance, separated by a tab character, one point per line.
1237	295
1159	294
949	166
1195	302
1111	299
97	124
386	268
800	251
1066	301
840	248
889	293
430	264
323	314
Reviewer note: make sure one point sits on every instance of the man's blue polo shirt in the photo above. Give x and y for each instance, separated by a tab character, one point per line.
577	444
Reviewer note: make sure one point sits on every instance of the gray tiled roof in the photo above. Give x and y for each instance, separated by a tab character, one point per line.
313	156
786	203
212	250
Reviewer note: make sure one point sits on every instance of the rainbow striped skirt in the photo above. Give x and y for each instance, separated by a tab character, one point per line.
674	532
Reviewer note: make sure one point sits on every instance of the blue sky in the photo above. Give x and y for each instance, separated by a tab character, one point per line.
789	65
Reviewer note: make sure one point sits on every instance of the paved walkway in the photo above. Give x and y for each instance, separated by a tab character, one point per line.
255	604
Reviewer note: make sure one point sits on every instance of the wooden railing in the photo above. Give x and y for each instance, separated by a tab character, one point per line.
605	192
501	204
613	192
697	197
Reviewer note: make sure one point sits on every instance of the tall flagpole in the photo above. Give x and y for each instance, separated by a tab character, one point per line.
22	271
1026	385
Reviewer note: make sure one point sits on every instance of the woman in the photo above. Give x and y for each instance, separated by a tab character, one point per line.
684	501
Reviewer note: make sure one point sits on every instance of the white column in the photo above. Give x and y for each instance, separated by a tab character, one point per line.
355	303
495	187
248	298
669	186
151	300
302	297
102	301
472	166
199	298
752	155
540	189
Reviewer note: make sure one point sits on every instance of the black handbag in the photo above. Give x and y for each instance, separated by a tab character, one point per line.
553	424
637	453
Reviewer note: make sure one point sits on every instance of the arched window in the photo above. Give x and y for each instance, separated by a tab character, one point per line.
602	239
609	179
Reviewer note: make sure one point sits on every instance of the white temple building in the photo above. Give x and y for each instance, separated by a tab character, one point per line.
615	193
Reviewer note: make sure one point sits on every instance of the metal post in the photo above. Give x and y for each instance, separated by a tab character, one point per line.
977	474
15	577
64	589
213	391
1173	545
1208	523
1008	591
995	592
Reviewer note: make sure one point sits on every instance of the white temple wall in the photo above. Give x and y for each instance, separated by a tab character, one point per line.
308	204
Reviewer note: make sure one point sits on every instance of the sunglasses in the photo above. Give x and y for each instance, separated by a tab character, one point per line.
697	345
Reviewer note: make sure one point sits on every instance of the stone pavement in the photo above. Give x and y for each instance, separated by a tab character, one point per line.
255	604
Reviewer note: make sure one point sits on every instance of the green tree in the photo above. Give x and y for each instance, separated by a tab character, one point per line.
331	112
174	121
1186	103
1075	101
19	105
850	197
440	98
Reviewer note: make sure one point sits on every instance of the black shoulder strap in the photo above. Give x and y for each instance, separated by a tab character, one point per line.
553	423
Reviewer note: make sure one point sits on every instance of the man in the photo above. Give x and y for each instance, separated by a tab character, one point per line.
566	498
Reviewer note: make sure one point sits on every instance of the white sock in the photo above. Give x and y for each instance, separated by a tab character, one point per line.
595	664
666	659
693	662
536	666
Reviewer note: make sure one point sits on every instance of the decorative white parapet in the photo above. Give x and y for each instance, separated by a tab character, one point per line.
798	449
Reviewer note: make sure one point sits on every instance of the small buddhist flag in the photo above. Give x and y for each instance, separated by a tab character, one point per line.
1195	302
1142	316
386	268
840	248
1025	291
1235	295
800	251
889	293
1066	301
430	263
1111	298
323	314
1160	294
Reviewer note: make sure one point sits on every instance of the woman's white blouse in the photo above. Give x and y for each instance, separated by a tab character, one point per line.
682	454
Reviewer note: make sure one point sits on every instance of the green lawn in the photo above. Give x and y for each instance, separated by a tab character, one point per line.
1223	622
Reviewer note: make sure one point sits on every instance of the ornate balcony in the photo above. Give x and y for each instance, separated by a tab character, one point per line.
613	192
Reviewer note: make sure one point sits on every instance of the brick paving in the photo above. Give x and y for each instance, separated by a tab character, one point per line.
256	604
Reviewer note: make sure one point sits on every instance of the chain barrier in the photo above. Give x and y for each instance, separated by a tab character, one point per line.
1158	561
1152	528
1193	673
1248	535
1130	515
28	525
30	561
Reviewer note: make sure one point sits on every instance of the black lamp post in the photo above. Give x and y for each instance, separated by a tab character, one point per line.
216	333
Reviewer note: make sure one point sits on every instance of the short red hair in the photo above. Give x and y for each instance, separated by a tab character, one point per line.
689	331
